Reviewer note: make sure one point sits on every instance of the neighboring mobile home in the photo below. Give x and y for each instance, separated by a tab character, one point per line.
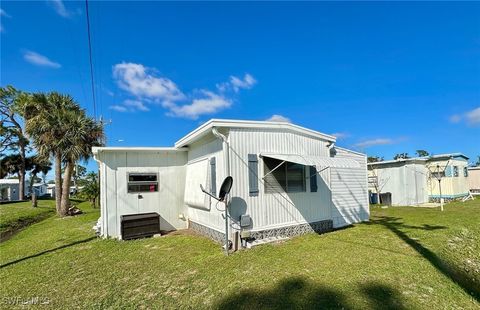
9	189
454	178
414	181
474	180
288	180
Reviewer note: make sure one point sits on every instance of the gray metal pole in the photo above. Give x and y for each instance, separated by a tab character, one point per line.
227	170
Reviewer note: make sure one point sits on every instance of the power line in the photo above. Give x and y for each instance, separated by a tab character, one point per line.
91	63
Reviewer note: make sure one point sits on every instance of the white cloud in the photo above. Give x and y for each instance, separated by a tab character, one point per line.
472	117
246	83
146	85
237	83
340	135
118	108
130	106
3	14
60	8
373	142
278	118
136	105
209	104
40	60
140	81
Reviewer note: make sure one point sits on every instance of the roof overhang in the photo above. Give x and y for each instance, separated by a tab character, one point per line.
97	150
317	161
447	156
398	161
206	128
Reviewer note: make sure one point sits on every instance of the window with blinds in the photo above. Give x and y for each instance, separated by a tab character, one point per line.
288	177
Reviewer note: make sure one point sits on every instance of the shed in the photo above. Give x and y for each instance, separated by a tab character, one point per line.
405	180
288	180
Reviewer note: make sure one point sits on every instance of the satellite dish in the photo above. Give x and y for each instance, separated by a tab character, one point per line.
224	189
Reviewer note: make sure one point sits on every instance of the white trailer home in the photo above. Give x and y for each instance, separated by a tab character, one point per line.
414	181
288	180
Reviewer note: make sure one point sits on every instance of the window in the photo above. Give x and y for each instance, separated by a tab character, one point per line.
455	171
142	182
288	177
465	171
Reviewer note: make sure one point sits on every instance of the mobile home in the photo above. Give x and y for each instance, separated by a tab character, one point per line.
288	180
9	189
474	180
414	181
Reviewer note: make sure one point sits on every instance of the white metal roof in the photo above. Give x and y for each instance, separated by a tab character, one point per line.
227	123
419	159
396	161
318	161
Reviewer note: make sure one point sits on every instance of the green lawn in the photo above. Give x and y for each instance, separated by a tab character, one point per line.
405	258
17	215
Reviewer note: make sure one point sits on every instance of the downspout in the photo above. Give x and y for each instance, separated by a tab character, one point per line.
330	146
226	150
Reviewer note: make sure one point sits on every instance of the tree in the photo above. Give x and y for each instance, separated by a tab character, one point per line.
78	173
12	134
401	156
38	165
422	153
84	133
61	129
11	165
374	159
91	189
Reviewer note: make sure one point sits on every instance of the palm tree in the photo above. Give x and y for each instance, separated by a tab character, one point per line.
91	190
61	129
82	134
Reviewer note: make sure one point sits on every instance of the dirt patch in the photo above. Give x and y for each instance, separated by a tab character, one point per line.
181	232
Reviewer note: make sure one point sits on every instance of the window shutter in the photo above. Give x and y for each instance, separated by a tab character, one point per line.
313	179
213	177
448	171
253	174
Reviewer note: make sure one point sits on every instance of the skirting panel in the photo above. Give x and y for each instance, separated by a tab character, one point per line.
208	232
295	230
436	198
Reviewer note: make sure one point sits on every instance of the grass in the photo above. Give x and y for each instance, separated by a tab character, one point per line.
405	258
15	216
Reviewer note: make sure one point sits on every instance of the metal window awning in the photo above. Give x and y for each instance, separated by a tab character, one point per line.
317	161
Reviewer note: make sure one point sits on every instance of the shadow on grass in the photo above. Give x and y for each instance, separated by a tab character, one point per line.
46	252
456	274
297	293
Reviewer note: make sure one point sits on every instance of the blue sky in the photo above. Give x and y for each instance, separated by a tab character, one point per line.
385	77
